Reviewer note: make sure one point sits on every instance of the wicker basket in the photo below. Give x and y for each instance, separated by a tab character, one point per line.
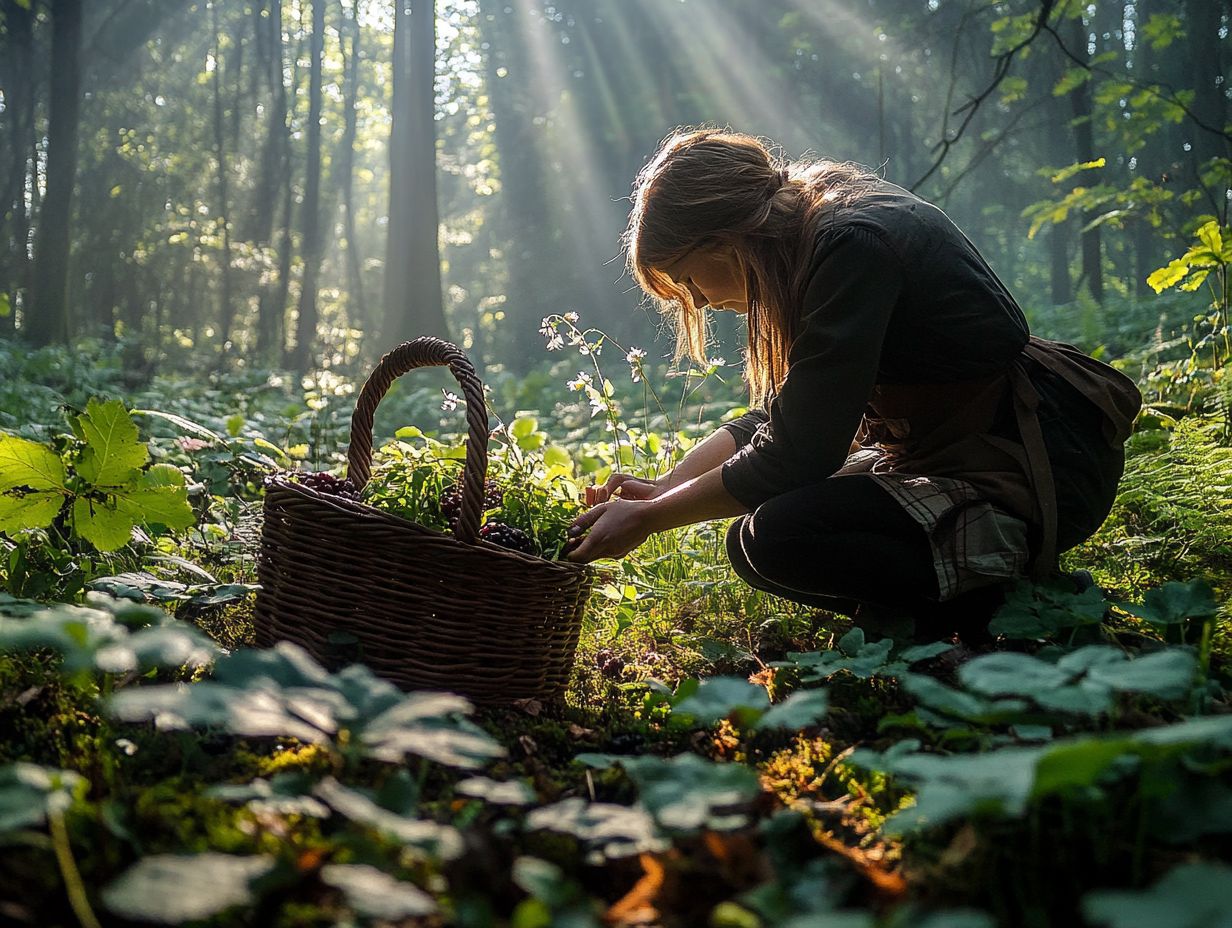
422	608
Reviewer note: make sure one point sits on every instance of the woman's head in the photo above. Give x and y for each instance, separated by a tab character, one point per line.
725	203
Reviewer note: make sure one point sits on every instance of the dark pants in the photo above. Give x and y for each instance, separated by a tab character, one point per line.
843	543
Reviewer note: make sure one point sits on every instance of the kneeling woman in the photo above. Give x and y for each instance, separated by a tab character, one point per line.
911	445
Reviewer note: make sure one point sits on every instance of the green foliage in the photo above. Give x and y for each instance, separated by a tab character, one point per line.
98	489
539	494
170	889
1192	895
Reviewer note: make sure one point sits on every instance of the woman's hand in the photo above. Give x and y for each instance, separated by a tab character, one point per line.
616	528
630	488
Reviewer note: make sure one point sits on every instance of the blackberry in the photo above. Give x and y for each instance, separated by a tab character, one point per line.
507	537
329	485
451	500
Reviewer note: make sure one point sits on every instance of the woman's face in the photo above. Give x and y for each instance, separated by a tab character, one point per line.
714	276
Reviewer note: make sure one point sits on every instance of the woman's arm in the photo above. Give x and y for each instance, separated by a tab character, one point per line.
620	525
702	457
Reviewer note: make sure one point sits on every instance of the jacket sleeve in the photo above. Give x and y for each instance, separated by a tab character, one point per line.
831	369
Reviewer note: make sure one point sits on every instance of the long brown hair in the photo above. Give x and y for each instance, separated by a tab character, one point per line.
707	187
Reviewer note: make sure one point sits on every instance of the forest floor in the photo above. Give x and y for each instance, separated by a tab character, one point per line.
721	757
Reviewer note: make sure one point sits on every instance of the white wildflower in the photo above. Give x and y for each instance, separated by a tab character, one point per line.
581	383
450	403
571	317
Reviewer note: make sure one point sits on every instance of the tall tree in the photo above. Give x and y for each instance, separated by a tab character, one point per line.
48	320
413	304
306	324
226	311
17	123
357	306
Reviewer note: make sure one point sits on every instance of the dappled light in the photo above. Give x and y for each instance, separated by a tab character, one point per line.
623	463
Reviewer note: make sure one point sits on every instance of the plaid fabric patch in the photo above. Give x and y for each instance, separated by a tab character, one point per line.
974	543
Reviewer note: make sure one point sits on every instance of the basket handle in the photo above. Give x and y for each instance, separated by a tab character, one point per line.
427	352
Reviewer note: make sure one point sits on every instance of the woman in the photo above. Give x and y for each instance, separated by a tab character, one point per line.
910	445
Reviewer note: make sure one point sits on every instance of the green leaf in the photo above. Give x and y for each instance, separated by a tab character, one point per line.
523	426
508	793
720	697
1193	895
114	453
102	523
686	792
614	831
160	497
170	889
799	710
376	894
27	791
1010	673
6	308
1070	170
29	511
1174	602
1163	278
440	841
1209	236
1071	80
28	464
1168	674
1079	764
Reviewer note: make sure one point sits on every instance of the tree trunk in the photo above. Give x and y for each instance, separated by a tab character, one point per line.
413	304
524	228
1084	149
226	311
275	167
1207	77
48	321
306	324
357	307
16	79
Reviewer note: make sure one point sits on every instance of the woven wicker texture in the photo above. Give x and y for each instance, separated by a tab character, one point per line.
422	608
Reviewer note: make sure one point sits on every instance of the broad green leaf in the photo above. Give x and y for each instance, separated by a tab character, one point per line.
523	426
28	464
27	791
720	697
29	511
686	792
799	710
114	452
171	889
1161	279
1167	674
614	831
1210	236
102	524
508	793
1174	602
1075	765
1009	673
376	894
1192	895
160	497
440	841
923	652
283	794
